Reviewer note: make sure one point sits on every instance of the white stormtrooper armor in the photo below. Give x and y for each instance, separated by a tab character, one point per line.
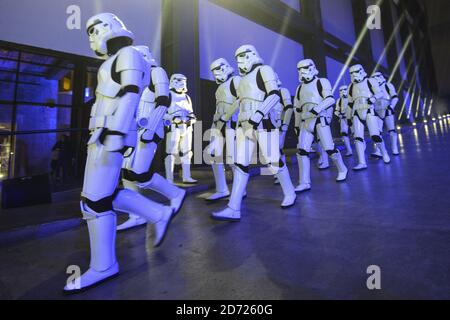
258	94
282	115
385	109
224	125
362	94
136	173
342	113
179	118
314	101
113	129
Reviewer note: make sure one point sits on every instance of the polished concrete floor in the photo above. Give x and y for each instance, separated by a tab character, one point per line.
394	216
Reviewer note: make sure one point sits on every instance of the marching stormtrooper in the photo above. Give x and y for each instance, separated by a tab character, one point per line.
258	94
113	131
362	95
136	173
385	110
225	119
180	119
283	114
342	113
315	102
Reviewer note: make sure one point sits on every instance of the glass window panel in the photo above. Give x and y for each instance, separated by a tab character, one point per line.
5	152
341	27
91	84
5	53
5	117
45	85
31	118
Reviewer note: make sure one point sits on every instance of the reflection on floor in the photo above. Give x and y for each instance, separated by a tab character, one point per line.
394	216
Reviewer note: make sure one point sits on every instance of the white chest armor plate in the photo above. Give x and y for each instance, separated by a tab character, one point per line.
250	95
309	97
106	86
361	94
180	106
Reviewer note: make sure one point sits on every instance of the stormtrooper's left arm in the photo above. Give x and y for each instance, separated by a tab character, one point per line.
393	95
326	93
190	109
130	67
288	108
273	96
161	83
376	90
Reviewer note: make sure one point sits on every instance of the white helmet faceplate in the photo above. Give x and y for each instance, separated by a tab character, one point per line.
178	82
306	70
221	70
357	73
103	27
343	91
247	57
379	77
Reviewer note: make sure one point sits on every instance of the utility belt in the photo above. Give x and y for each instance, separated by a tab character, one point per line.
382	104
362	103
305	111
247	108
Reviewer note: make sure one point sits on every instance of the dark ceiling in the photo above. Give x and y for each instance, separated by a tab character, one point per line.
438	20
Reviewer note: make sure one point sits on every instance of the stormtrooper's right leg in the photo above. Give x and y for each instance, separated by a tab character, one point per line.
360	144
245	144
390	126
323	163
306	138
172	150
219	170
374	129
345	138
376	150
186	156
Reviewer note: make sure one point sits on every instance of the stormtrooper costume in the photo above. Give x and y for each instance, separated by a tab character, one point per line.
224	125
179	119
283	114
113	131
341	113
385	110
258	94
315	102
362	94
136	172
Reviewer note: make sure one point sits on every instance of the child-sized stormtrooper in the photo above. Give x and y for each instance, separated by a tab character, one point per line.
136	172
180	119
314	99
223	133
341	113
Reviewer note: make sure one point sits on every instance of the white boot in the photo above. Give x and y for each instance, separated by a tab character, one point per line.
287	186
382	147
160	216
163	186
221	183
304	167
340	165
394	143
233	211
133	220
323	163
377	152
102	239
348	146
360	151
169	164
186	167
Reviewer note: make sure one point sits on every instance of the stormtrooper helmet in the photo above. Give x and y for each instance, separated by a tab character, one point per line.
357	73
379	77
103	27
307	70
343	91
247	57
178	82
221	70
